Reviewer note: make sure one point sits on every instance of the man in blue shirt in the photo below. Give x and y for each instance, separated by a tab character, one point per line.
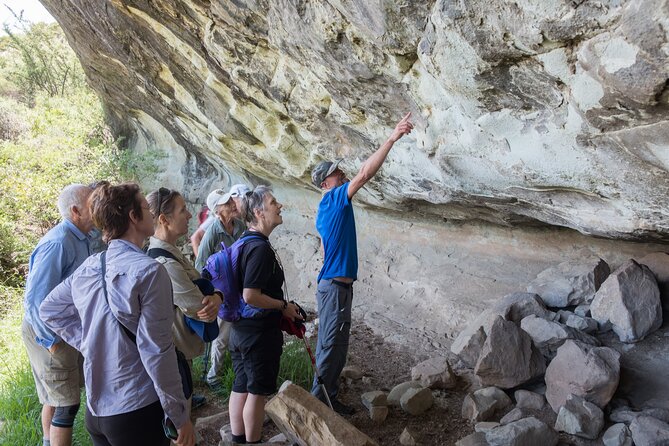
56	366
335	223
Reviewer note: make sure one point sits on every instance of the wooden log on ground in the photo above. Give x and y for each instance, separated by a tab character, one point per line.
308	422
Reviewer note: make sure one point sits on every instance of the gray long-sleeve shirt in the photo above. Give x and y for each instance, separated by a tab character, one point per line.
121	376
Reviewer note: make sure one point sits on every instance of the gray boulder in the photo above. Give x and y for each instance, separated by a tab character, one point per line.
516	306
408	437
545	414
351	372
617	435
582	310
581	369
649	431
469	343
508	357
658	262
512	307
396	392
585	324
525	432
435	373
485	426
548	336
529	400
580	417
475	439
374	398
571	282
627	415
630	300
483	404
416	401
562	315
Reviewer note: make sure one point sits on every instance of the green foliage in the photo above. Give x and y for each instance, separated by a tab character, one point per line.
58	147
296	365
19	406
43	61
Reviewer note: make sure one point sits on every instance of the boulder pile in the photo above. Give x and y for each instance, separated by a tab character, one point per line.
544	345
537	370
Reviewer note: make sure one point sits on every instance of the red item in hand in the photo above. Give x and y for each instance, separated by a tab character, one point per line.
291	327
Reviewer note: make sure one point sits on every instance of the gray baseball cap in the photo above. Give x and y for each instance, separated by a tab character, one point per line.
323	170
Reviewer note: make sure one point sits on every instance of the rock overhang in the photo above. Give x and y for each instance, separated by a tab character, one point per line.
549	113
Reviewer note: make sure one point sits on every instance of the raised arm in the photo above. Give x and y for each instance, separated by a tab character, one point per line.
374	162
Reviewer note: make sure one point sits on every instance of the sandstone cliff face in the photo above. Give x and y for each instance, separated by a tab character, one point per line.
535	111
529	114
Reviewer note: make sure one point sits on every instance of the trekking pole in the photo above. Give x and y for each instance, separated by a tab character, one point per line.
319	380
207	354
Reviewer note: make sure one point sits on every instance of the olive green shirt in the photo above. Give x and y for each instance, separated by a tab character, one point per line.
213	237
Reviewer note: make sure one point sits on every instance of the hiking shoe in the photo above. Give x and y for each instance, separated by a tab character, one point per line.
342	409
198	401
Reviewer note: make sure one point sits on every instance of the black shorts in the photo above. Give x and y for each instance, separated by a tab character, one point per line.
139	427
256	356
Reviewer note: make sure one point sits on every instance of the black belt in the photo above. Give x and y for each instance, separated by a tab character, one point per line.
342	284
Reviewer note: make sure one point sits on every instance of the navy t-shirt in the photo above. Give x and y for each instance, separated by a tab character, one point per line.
336	225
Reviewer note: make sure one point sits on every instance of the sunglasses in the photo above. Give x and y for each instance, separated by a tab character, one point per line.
163	195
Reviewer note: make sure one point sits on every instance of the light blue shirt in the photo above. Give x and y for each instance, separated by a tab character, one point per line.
335	223
121	376
55	257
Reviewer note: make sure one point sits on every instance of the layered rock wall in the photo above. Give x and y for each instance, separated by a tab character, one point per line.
532	111
529	113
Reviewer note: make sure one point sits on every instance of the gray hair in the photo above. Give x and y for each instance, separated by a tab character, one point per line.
73	195
253	200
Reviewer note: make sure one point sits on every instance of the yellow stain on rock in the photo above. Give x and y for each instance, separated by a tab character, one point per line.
197	61
281	143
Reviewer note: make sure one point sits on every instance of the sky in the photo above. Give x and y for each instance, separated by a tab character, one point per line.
32	10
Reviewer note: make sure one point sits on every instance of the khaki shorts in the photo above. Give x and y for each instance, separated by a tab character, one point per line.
59	376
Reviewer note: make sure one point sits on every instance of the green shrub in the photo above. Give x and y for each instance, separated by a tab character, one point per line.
296	365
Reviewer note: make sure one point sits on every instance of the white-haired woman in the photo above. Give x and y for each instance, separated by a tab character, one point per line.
256	342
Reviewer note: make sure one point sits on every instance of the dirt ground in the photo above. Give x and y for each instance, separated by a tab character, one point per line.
384	365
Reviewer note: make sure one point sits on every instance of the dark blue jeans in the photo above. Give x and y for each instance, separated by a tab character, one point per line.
334	302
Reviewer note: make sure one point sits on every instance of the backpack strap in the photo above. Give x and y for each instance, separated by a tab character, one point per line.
103	264
154	253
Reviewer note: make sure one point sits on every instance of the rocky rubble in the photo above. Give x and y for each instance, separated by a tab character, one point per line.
561	317
630	301
536	374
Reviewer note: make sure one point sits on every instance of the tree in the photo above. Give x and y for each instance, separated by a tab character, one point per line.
47	63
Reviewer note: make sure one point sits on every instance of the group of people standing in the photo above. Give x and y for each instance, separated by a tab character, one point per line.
122	313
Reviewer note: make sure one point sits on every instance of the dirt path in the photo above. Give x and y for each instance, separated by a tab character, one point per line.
384	365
